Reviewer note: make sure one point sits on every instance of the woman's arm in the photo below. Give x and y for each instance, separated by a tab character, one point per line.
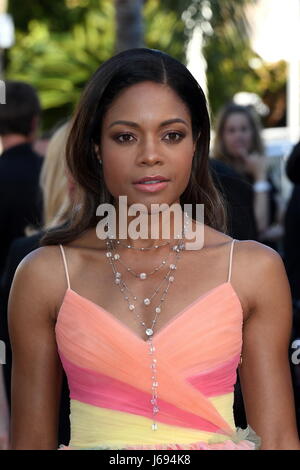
258	168
275	231
36	368
265	371
255	165
261	209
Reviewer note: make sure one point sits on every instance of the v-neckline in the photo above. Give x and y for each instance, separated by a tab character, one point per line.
167	325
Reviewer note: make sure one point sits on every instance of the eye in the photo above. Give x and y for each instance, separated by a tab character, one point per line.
124	138
173	137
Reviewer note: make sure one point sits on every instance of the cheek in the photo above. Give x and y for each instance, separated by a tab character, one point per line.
113	161
248	137
113	177
228	138
111	171
183	171
182	155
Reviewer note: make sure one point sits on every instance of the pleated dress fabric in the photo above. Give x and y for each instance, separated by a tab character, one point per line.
108	370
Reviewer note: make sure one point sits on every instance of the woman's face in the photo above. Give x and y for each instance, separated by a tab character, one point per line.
147	131
237	135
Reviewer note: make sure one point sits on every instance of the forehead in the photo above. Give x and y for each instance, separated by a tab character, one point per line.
237	119
148	101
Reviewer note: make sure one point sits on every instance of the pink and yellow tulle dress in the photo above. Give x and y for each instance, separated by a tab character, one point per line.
107	367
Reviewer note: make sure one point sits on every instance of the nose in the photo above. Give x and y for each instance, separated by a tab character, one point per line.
150	153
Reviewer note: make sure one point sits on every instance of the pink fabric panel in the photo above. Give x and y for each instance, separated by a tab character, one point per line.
100	390
217	381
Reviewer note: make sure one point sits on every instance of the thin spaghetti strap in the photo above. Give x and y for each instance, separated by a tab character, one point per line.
65	265
230	261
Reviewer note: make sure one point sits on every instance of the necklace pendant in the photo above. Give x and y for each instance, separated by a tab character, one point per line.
149	332
143	276
147	301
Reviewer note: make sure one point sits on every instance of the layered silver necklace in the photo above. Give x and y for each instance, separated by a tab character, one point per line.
131	299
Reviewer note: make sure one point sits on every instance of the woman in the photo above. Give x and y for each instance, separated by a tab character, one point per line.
238	144
57	185
58	193
147	373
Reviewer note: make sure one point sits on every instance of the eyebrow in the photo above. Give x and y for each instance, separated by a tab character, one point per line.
162	124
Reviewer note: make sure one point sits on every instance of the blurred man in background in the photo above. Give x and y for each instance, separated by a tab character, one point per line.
20	165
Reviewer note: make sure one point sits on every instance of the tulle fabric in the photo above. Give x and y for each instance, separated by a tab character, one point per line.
246	439
107	367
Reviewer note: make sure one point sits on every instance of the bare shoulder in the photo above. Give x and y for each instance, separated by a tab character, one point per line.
40	275
258	273
259	259
39	264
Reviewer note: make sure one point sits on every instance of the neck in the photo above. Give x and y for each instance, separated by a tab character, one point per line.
11	140
147	230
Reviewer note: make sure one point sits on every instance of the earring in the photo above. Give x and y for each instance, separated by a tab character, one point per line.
97	154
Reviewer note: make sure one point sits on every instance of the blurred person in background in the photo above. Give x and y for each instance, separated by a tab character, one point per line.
293	165
292	259
42	142
238	198
292	226
20	165
238	144
58	195
241	224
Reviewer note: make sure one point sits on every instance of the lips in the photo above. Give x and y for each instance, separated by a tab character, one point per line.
151	184
151	179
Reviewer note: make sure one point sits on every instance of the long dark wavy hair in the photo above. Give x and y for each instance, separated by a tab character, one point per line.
111	78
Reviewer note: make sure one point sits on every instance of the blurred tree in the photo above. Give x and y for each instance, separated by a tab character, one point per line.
272	83
58	55
129	19
232	66
226	48
59	15
60	43
165	29
59	64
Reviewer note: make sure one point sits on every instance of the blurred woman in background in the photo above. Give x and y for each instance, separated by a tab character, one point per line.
57	185
58	198
238	144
